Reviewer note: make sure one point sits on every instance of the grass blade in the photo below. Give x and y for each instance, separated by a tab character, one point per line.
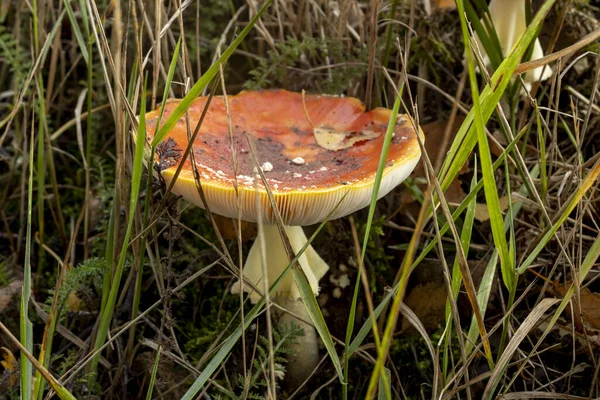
26	330
310	301
529	322
563	215
76	30
350	327
153	376
466	139
138	166
489	181
218	359
465	237
385	388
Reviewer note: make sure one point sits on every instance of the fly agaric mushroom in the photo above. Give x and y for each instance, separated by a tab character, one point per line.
313	151
509	20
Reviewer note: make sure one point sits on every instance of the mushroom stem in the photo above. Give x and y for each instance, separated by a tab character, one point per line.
305	352
286	294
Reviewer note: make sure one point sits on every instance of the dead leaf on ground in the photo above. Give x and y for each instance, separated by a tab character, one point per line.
10	366
482	213
428	298
333	140
8	292
428	302
587	304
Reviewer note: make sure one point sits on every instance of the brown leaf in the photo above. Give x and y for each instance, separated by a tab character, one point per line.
428	302
587	305
482	213
11	368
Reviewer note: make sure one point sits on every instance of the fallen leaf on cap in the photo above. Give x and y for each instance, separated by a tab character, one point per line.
482	213
333	140
10	366
8	292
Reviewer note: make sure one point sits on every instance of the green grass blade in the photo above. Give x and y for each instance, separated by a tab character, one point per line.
485	287
76	31
350	328
466	139
542	146
374	195
465	238
153	376
367	326
170	75
26	329
201	84
138	167
316	316
385	389
489	181
563	215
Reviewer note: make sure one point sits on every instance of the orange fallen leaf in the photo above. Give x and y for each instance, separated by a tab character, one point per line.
11	367
331	139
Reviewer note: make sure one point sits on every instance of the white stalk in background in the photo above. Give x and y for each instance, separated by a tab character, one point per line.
509	20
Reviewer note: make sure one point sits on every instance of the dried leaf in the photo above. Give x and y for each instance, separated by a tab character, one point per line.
331	139
587	305
482	213
11	368
428	302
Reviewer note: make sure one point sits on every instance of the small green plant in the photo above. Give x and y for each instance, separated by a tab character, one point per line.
15	57
284	337
275	69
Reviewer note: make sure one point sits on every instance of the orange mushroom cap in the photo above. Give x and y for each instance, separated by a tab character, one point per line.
307	179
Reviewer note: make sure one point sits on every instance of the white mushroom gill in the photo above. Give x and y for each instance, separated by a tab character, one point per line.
509	20
287	294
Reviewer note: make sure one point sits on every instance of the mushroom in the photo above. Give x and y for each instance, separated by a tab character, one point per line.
318	151
509	20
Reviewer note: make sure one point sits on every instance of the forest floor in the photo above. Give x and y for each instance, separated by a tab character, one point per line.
121	291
